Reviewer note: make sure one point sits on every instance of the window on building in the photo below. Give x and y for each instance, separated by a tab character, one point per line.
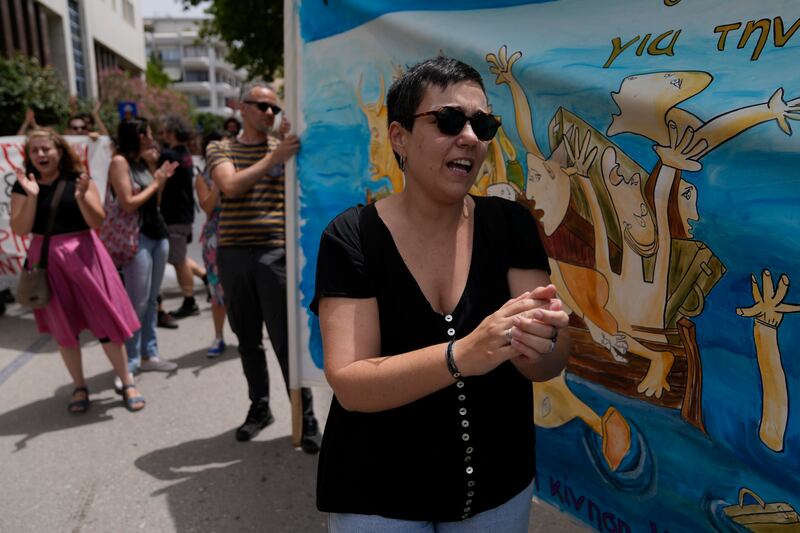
196	75
127	12
200	100
169	54
76	36
195	51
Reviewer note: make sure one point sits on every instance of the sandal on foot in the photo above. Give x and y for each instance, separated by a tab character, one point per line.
131	401
78	407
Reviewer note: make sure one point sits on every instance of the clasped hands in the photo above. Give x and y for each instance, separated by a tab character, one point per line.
524	330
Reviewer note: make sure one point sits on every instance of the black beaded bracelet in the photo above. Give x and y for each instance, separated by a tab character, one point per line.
451	362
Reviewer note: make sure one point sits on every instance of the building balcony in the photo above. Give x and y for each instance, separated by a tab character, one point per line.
196	62
192	86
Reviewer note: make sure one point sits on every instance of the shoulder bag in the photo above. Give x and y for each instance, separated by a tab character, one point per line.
33	289
120	230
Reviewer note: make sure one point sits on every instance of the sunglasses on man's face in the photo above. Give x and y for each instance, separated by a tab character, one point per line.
451	120
264	106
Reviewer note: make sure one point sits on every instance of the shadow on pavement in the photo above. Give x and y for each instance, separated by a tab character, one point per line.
50	414
17	333
198	360
223	485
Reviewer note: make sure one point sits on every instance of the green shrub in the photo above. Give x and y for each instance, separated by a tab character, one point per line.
26	84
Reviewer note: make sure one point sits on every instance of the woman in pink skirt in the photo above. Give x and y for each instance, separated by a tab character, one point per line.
87	292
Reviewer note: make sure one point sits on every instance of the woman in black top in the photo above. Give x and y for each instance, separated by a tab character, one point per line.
86	291
137	190
436	311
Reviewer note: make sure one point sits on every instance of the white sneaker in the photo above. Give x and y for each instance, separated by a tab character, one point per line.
156	364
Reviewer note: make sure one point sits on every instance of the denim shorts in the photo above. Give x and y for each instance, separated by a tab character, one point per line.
510	517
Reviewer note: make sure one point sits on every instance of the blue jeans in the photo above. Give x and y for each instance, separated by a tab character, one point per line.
510	517
143	277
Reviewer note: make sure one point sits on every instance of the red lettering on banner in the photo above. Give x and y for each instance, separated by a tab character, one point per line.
7	265
22	242
7	156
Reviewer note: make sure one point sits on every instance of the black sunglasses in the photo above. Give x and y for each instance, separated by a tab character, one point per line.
451	120
263	106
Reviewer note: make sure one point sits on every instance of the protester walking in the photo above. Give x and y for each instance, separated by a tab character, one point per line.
249	170
177	206
137	189
209	199
56	201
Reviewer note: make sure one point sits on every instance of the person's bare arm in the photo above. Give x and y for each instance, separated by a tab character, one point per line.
364	381
119	173
28	123
23	207
233	183
206	196
101	127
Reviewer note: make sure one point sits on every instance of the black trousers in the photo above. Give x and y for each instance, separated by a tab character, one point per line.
254	282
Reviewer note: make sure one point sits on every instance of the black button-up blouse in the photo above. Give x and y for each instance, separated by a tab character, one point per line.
459	451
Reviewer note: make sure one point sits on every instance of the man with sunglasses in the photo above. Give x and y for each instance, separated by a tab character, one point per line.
249	170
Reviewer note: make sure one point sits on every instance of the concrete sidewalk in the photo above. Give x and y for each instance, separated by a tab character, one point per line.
173	467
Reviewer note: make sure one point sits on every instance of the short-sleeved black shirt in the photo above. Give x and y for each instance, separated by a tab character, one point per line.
463	449
177	198
69	218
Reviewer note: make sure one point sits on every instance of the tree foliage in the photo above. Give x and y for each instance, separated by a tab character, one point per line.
25	84
253	31
153	103
205	123
155	74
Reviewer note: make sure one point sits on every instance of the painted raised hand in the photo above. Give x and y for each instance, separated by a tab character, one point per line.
582	155
783	110
500	65
768	311
683	151
768	307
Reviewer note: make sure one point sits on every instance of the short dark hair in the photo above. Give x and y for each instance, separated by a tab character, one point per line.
128	143
407	91
178	127
232	119
210	137
85	117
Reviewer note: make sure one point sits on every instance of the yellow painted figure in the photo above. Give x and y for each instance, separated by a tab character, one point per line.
627	302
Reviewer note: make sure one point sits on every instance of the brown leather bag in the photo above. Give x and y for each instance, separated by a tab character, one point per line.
33	289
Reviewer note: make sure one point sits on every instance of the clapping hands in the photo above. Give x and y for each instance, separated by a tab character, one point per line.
81	186
28	183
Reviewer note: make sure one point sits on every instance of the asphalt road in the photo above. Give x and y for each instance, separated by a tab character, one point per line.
175	466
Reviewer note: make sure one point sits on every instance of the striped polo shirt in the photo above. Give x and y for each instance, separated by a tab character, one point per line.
256	217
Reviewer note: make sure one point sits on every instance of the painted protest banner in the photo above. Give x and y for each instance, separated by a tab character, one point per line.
95	155
656	143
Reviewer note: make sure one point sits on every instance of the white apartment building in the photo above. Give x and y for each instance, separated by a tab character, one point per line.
197	68
79	38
